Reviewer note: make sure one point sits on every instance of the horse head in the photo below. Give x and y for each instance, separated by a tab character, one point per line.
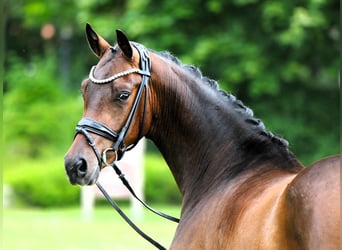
115	113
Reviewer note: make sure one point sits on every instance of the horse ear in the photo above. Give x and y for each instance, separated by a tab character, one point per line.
124	44
97	44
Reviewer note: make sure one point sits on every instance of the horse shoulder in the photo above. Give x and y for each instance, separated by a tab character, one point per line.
313	206
261	225
251	219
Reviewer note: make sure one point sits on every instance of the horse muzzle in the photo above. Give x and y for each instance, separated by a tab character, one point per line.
79	171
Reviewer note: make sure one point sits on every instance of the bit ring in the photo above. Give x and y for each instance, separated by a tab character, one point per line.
104	156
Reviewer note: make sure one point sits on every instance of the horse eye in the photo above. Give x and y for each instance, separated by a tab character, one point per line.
123	96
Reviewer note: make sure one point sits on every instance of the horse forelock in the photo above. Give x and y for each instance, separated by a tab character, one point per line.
245	112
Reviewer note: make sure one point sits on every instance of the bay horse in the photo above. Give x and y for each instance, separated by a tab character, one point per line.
241	186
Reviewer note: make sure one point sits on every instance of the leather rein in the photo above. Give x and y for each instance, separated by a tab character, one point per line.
86	125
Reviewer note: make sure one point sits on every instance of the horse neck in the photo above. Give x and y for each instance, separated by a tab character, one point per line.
199	137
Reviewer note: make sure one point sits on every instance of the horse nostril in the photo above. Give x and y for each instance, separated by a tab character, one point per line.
81	167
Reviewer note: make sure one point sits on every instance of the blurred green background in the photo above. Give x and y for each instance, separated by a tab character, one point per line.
279	57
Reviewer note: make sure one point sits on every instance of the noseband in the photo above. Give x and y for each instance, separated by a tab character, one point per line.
86	125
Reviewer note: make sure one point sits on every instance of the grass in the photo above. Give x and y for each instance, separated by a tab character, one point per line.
57	229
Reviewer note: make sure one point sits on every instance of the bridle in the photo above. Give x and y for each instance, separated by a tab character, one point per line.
86	125
90	125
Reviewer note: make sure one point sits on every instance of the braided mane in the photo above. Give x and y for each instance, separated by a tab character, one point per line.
256	124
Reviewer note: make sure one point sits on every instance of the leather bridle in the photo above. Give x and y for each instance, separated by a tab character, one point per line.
89	125
86	125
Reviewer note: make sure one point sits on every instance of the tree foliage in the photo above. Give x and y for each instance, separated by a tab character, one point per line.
279	57
38	116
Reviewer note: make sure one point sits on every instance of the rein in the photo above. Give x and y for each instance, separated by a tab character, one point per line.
86	125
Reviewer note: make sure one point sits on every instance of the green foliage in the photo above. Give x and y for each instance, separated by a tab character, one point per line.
312	134
41	183
38	117
160	186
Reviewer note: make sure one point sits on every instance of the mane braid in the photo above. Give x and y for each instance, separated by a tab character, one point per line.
255	123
